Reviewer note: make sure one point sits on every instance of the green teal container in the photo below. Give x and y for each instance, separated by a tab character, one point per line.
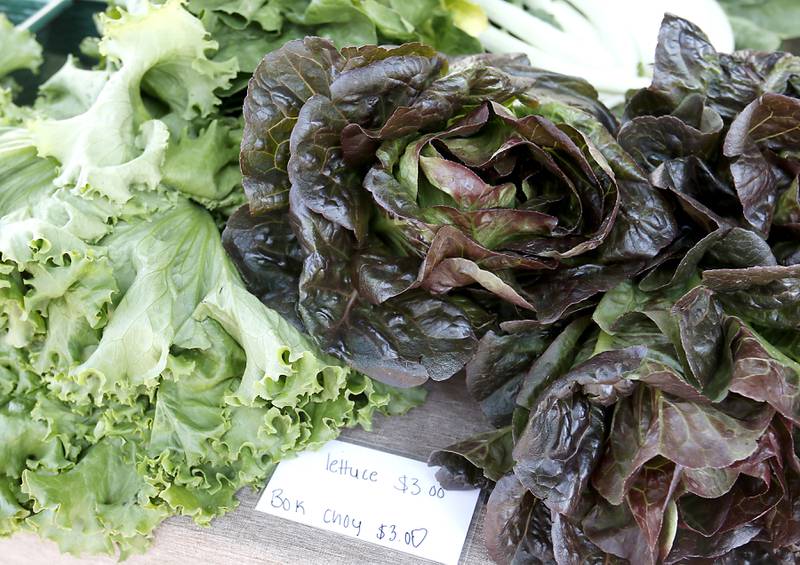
19	11
59	25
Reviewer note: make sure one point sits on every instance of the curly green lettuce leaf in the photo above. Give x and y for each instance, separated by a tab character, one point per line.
55	284
71	90
204	166
18	48
205	443
116	145
25	443
24	177
138	377
276	352
201	336
162	274
102	505
59	309
189	404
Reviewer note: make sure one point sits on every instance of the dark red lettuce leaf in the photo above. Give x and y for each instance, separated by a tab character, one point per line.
692	435
559	177
763	373
686	63
433	202
690	547
558	450
729	247
766	127
280	86
571	545
768	296
402	341
560	446
615	531
650	499
749	499
412	233
552	363
572	289
787	210
498	368
454	260
705	341
517	526
633	419
474	462
645	223
314	115
536	546
549	88
699	192
265	250
759	553
652	140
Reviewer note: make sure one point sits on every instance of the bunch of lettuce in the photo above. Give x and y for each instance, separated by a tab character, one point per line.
138	377
659	426
427	202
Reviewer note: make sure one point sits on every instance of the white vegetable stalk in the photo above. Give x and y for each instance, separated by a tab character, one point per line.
610	43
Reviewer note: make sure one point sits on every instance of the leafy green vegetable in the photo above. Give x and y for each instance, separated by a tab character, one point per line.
115	145
19	48
139	378
762	24
247	31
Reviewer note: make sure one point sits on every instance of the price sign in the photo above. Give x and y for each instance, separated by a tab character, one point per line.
374	496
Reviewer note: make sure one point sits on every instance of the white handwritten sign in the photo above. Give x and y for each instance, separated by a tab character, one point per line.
374	496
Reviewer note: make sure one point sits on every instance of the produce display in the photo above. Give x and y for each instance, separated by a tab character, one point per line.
198	280
138	377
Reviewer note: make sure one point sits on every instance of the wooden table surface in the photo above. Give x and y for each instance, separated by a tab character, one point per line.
245	536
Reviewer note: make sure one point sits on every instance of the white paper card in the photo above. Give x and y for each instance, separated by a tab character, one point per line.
374	496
